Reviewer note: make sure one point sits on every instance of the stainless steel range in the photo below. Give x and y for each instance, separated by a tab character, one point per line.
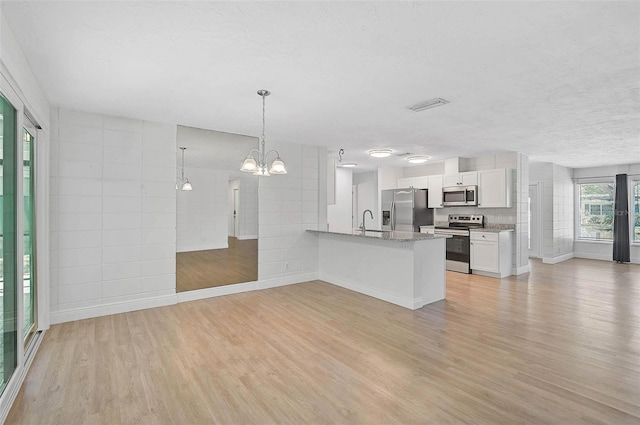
458	245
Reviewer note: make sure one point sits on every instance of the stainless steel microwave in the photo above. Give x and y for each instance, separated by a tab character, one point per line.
456	196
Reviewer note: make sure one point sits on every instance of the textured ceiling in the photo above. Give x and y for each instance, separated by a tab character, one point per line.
559	81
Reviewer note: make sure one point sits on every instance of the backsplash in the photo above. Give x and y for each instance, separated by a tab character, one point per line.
491	215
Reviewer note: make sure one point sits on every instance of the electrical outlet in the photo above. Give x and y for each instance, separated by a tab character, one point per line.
286	266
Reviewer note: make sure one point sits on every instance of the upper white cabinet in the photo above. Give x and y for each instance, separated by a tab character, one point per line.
415	182
494	188
468	178
434	195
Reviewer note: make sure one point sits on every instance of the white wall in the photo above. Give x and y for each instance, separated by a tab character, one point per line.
367	187
558	213
289	204
248	213
201	212
15	67
339	215
427	169
113	214
601	250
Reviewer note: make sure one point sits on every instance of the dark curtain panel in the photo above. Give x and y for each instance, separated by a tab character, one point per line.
621	250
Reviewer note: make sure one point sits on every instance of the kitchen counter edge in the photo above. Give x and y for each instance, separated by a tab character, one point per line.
392	235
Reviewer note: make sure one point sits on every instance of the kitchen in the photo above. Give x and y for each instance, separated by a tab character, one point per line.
498	248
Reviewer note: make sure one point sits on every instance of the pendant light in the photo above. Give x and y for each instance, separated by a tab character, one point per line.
259	167
184	183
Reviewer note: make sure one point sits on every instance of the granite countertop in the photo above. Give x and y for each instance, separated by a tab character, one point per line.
392	235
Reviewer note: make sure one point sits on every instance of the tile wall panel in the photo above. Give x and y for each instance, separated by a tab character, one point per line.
288	206
112	181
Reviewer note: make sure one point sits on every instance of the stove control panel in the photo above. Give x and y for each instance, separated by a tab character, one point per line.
475	220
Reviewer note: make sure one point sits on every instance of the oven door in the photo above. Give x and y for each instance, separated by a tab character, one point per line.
458	250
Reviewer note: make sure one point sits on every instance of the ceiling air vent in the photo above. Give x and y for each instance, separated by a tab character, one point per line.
432	103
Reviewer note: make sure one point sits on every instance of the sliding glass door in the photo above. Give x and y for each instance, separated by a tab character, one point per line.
8	243
28	272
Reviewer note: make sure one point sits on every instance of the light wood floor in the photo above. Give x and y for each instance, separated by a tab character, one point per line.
560	345
217	267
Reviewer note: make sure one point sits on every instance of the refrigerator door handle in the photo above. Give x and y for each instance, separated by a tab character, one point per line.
393	215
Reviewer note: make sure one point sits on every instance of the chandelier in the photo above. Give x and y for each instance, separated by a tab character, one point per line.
258	166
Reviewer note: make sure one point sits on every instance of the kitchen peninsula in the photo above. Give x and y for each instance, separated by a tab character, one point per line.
403	268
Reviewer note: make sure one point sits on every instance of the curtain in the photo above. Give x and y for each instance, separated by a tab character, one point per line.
621	250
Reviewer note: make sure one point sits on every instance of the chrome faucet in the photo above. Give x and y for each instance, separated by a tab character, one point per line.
364	213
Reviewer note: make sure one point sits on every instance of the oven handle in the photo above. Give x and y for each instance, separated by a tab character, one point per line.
452	232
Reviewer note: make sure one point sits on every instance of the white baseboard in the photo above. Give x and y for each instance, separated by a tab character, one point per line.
286	280
521	270
558	259
246	237
405	302
70	315
602	257
63	316
218	291
592	256
488	274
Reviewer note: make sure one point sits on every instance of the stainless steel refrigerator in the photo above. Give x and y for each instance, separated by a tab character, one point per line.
405	210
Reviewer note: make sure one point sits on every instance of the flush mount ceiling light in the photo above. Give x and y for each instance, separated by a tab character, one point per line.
418	159
183	183
259	167
380	153
428	104
345	164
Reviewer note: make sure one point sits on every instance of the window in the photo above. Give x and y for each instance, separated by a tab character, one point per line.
635	207
596	211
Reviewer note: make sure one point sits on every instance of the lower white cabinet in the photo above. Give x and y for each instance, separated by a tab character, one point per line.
492	253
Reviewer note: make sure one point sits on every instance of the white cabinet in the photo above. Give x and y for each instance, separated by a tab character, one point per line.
415	182
468	178
491	253
494	188
435	191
